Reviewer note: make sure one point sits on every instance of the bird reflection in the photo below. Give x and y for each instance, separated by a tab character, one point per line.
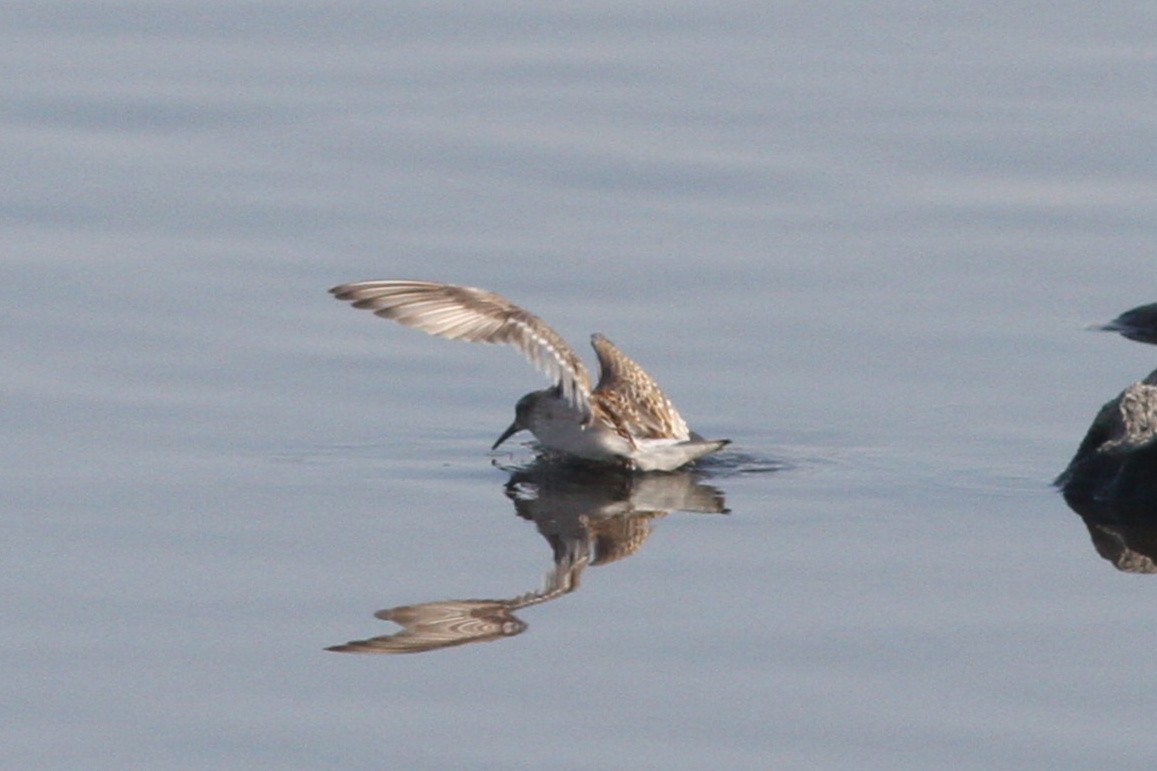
1111	482
586	514
588	517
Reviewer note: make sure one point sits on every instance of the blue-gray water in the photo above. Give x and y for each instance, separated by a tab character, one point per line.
862	241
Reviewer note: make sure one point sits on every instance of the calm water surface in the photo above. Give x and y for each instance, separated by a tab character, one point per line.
862	242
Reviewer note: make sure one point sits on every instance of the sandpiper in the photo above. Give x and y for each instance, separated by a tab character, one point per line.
626	419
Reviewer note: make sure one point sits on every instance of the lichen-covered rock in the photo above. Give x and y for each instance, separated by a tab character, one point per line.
1117	460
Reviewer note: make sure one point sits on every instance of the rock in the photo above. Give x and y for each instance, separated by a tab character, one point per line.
1138	324
1117	460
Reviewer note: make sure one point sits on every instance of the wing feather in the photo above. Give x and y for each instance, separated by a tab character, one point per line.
631	399
477	316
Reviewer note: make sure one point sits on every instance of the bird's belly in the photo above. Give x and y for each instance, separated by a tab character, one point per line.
593	442
601	444
561	429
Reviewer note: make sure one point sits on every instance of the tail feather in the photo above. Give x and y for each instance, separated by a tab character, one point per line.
669	457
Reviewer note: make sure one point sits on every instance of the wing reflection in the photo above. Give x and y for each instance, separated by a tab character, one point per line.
587	516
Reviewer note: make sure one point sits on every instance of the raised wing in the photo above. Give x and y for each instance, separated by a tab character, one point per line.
477	316
631	400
